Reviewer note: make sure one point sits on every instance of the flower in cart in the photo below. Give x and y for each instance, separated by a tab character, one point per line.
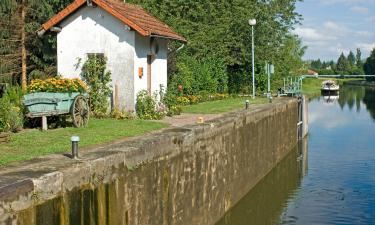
58	85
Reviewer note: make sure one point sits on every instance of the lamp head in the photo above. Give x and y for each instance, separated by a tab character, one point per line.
252	22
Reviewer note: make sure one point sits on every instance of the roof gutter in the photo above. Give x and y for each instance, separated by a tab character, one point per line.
165	37
41	32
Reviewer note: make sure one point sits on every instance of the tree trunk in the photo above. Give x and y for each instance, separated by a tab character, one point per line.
23	46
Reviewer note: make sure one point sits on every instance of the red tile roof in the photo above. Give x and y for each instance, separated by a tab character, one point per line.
312	72
132	15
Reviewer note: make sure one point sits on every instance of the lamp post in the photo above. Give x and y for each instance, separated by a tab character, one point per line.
252	23
270	70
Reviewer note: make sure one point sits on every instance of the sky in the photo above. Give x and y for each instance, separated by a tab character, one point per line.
330	27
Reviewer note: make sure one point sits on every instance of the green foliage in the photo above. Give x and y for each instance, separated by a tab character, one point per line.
171	102
14	95
326	72
182	100
148	108
218	33
199	75
174	110
351	59
41	51
343	65
351	65
98	79
11	116
261	84
316	64
369	66
219	29
357	71
358	58
122	115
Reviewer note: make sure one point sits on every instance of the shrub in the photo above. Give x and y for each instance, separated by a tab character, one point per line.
183	100
11	116
220	96
57	85
147	107
14	95
195	76
193	99
174	110
97	78
122	115
170	101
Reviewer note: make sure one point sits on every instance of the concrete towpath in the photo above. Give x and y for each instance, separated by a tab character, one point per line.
189	118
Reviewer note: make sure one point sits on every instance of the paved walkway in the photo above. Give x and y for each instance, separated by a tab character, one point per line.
187	119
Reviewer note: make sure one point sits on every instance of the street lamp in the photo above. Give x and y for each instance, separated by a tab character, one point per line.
270	70
252	23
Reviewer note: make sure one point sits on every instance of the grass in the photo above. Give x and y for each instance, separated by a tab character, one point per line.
221	106
33	143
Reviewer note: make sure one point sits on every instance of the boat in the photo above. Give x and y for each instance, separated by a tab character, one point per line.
330	86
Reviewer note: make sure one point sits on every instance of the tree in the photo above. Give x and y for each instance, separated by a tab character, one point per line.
22	52
369	66
351	59
316	64
358	58
220	29
10	41
325	65
343	65
216	29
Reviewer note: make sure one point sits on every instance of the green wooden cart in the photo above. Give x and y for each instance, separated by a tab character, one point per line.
44	104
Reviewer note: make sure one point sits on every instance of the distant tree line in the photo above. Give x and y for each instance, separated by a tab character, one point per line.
351	64
369	66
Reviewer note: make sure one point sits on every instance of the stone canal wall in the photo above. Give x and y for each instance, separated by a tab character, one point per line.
178	176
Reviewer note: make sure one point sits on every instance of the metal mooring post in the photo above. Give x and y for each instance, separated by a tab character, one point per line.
300	119
247	104
75	141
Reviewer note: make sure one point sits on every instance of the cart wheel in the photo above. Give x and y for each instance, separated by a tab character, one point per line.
80	111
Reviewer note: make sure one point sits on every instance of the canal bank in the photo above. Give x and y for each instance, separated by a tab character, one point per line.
187	175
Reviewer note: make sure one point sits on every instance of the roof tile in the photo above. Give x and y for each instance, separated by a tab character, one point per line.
132	15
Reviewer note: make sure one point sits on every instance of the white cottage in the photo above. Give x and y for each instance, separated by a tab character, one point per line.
133	41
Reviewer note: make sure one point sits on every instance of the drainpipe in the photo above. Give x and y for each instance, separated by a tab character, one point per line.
180	48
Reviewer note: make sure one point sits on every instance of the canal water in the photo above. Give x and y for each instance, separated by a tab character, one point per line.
329	178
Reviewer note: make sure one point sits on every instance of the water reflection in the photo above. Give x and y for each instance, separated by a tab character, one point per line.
330	98
339	187
351	96
265	202
368	100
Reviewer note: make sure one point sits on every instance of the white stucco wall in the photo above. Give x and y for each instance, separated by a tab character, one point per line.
158	68
92	30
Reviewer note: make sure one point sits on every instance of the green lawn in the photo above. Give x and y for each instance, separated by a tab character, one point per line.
312	85
33	143
221	106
